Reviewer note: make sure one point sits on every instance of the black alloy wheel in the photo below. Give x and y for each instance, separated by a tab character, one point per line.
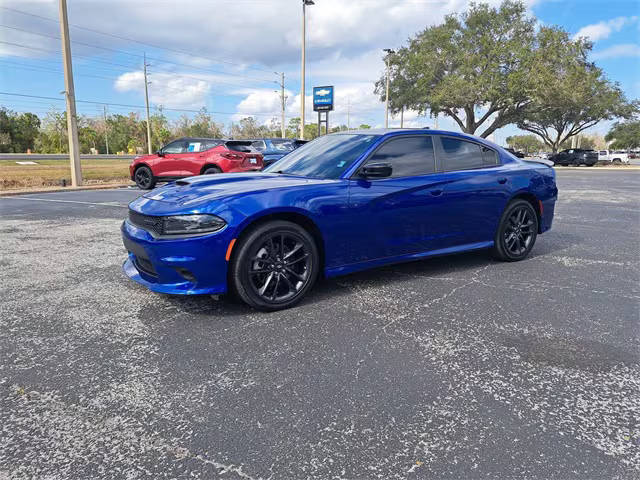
144	178
211	171
517	232
274	265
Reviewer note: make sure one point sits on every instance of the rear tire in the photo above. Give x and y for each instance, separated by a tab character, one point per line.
212	170
274	266
144	178
517	232
617	161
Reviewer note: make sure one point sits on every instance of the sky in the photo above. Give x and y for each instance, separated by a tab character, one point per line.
227	55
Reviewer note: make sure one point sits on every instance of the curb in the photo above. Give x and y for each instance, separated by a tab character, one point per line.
9	193
599	169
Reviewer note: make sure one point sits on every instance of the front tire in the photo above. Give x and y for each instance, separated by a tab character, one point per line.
517	232
144	178
274	266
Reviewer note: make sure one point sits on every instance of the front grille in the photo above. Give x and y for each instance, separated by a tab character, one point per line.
146	222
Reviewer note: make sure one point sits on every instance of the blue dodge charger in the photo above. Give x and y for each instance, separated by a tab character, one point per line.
342	203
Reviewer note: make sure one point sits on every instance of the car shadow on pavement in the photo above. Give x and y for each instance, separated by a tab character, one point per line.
330	289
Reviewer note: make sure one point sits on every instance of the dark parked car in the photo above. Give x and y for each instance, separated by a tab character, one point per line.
575	157
515	152
341	203
188	156
273	149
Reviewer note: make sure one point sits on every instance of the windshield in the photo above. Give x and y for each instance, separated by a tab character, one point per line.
283	145
325	157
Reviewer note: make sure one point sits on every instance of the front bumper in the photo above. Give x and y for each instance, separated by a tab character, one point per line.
185	266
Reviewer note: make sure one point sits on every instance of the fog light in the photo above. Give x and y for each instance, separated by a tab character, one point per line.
186	274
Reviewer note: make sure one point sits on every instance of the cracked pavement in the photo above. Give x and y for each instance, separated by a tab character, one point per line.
455	367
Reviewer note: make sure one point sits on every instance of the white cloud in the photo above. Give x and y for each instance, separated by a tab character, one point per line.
617	51
167	89
604	29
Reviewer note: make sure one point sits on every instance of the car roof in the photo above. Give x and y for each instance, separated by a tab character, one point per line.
269	138
381	132
199	139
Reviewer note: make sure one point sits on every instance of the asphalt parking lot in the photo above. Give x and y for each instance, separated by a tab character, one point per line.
456	367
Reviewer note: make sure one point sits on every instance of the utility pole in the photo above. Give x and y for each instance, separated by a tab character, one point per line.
402	117
386	102
304	46
436	122
146	102
106	127
283	101
72	119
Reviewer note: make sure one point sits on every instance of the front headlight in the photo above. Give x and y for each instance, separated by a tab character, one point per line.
189	224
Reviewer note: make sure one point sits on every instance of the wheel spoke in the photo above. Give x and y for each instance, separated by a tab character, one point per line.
292	262
257	272
266	284
295	274
295	248
275	289
290	285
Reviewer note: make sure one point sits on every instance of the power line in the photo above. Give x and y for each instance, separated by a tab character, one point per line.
76	42
140	42
139	106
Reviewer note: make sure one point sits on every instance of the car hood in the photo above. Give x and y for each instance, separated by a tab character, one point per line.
194	191
142	158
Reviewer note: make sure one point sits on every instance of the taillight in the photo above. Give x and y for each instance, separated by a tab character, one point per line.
231	156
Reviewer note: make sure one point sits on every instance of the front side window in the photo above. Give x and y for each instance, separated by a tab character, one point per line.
178	146
462	155
408	156
325	157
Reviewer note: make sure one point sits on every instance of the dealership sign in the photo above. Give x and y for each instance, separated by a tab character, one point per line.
322	99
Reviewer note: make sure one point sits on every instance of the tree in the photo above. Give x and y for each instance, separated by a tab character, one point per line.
18	132
248	127
571	94
473	68
293	129
53	133
624	135
526	143
364	126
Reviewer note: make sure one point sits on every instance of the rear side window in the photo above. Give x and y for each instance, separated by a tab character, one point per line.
462	155
489	157
208	144
408	156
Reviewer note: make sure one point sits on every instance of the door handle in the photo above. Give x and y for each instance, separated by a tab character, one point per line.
436	193
502	180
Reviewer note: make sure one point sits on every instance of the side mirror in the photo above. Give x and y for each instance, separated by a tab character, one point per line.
159	153
376	170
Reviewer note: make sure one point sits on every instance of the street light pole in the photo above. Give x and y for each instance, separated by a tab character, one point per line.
304	41
283	100
386	102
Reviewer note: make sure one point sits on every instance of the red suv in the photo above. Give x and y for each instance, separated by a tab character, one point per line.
186	157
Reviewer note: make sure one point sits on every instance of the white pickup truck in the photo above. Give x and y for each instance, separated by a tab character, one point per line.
613	156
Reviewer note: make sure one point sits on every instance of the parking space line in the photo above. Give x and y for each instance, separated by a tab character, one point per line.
102	204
